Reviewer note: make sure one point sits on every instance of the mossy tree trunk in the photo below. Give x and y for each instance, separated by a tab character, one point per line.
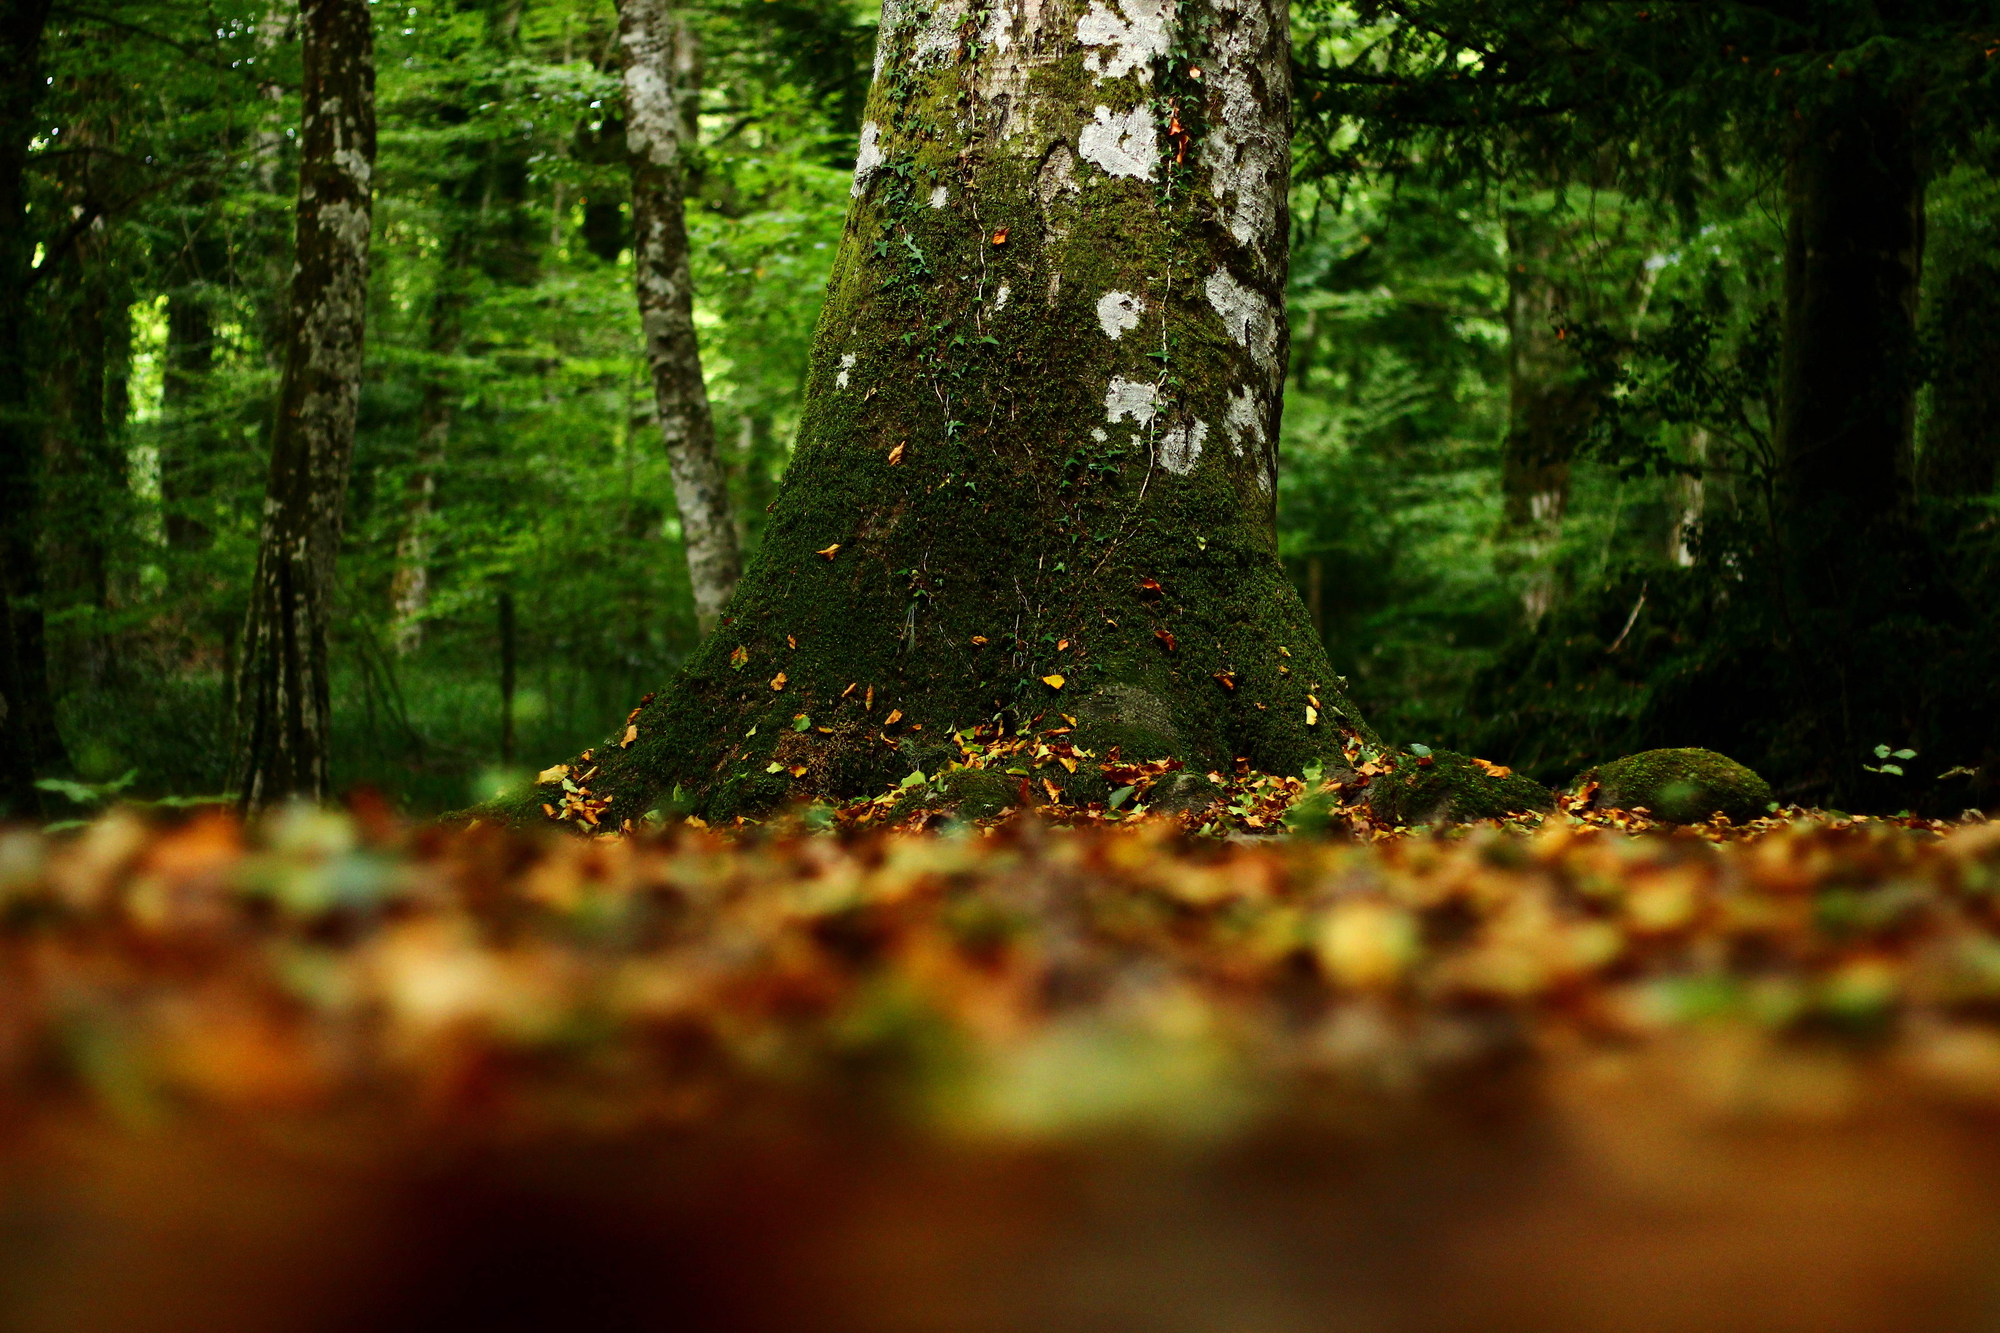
1035	467
283	697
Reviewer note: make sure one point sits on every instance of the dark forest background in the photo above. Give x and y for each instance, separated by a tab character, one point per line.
1530	485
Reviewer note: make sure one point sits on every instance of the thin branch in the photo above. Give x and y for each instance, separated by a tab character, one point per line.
189	50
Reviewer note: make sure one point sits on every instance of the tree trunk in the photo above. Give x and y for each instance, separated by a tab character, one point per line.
188	363
1548	408
1847	382
656	53
410	588
81	478
283	700
1034	476
28	739
1961	447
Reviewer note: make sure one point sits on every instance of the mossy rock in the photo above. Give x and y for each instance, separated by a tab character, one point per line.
967	793
1680	786
1182	793
1131	720
1451	788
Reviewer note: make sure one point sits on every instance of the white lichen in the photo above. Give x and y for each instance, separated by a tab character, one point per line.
1121	145
1119	311
869	160
846	365
1124	42
1248	317
1180	447
939	196
1000	298
1246	151
1135	399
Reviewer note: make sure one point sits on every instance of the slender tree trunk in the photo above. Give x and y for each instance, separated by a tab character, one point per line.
28	739
187	365
656	52
410	588
1034	476
283	698
82	478
1548	409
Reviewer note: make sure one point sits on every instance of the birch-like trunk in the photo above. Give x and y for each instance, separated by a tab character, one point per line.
656	52
283	698
1035	465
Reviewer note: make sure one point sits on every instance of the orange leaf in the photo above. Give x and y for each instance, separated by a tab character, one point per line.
1055	792
1224	679
1166	639
631	734
850	688
797	770
1062	644
791	642
778	681
1493	770
1150	587
1000	237
979	640
895	716
868	702
896	455
830	552
739	657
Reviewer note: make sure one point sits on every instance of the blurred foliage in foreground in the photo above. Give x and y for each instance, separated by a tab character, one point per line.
1017	980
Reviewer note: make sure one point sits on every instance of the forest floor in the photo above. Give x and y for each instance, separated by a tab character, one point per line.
343	1072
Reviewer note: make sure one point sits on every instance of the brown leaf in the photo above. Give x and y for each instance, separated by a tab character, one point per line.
1225	679
1149	588
830	552
895	716
738	658
554	774
1166	639
631	734
896	455
1000	237
778	681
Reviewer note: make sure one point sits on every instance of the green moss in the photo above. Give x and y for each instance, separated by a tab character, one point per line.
1680	786
1451	787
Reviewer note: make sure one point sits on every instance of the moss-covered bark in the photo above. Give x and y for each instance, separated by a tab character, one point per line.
1034	473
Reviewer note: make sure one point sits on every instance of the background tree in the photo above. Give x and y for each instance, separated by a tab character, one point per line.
284	703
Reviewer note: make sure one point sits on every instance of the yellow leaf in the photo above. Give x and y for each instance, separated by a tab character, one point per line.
778	681
739	657
1053	681
631	734
851	686
896	455
1066	762
1055	792
1493	770
1312	716
773	767
868	701
555	774
1286	651
791	642
895	716
1062	644
979	640
830	552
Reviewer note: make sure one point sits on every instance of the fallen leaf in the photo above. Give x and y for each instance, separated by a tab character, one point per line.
797	770
778	681
800	722
631	734
868	704
1493	770
554	774
548	810
774	767
979	640
896	455
1286	651
1053	681
895	716
1225	679
1055	792
830	552
852	685
1000	237
738	658
1062	645
1150	587
1166	639
1312	716
791	642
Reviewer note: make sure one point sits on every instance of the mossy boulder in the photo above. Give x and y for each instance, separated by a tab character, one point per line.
1679	786
966	793
1451	788
1183	793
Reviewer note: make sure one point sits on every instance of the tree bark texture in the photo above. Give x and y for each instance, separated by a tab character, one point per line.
283	698
1034	472
28	739
656	55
